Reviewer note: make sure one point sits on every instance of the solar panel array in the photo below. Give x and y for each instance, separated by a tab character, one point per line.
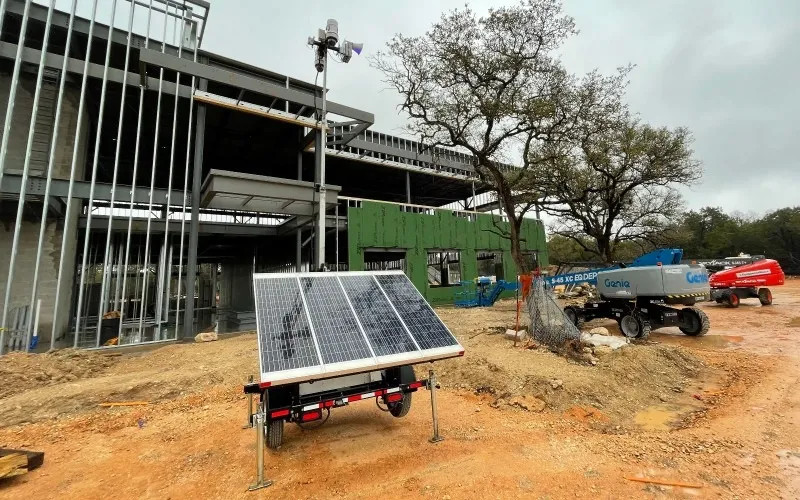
320	325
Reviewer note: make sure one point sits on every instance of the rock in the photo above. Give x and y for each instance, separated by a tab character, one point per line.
593	361
612	341
528	403
556	383
663	397
205	337
519	335
599	330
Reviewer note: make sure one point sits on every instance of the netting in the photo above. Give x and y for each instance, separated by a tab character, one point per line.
549	325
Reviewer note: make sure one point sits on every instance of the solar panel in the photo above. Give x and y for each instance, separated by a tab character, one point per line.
338	335
384	329
416	313
284	336
321	325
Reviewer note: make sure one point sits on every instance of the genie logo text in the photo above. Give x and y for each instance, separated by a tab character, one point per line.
617	284
698	277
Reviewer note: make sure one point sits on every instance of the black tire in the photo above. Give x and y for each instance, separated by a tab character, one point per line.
765	296
696	320
732	299
402	407
274	430
634	326
575	316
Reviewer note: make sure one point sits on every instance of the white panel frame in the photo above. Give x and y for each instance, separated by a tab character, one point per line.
324	371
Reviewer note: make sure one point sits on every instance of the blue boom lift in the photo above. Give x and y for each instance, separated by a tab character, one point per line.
481	292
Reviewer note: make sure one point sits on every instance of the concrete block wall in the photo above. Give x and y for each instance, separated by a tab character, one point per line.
29	235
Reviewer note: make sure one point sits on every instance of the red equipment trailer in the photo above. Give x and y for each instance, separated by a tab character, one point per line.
730	286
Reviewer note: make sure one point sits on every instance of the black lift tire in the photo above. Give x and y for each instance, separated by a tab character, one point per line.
274	431
732	299
697	324
401	408
634	326
575	316
765	296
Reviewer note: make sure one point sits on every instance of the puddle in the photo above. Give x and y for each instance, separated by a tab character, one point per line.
657	418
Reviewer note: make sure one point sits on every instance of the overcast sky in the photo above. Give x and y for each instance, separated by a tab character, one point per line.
727	69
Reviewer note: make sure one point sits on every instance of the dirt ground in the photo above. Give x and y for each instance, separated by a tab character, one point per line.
721	412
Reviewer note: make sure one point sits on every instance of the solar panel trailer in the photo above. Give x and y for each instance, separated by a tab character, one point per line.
329	339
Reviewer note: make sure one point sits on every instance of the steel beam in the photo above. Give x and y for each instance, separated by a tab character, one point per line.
11	184
249	83
56	61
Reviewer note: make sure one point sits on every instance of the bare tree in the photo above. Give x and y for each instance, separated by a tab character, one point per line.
618	185
492	86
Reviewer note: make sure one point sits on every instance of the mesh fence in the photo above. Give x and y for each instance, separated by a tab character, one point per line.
549	325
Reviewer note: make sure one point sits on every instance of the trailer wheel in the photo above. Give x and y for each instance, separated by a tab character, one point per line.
765	296
732	299
574	316
402	407
634	326
695	321
274	432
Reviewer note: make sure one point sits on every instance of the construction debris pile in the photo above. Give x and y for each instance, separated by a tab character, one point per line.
20	371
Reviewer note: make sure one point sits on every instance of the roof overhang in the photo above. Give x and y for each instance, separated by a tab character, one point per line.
226	190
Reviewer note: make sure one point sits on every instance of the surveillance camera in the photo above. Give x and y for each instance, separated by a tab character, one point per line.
332	33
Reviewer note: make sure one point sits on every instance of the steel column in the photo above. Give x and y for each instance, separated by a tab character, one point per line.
102	309
133	190
25	170
95	160
75	149
194	225
408	186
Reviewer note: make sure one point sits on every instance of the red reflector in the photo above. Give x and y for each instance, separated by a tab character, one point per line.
357	397
460	353
392	398
414	385
327	404
312	415
264	385
280	413
379	393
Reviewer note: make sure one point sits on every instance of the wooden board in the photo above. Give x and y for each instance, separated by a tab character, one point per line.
18	462
13	464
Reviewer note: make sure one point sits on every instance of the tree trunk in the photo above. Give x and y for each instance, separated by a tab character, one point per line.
604	249
523	265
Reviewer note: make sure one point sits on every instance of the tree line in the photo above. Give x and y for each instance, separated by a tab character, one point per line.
709	232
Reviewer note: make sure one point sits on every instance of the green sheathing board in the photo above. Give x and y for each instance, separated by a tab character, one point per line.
382	225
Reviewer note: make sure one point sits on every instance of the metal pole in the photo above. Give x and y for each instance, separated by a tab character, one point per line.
25	171
12	95
153	178
260	481
118	282
168	283
116	166
133	183
50	162
322	139
35	330
408	186
75	150
168	270
474	201
194	225
336	241
183	205
249	423
98	136
432	385
298	250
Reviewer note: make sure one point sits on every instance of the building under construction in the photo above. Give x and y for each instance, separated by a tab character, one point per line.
143	180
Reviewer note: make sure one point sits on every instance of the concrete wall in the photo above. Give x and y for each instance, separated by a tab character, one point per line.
383	225
29	235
